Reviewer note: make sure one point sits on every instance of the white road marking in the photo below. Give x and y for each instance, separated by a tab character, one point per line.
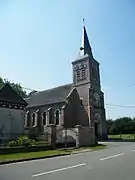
109	157
56	170
133	150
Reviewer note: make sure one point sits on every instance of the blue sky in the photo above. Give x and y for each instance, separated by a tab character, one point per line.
40	39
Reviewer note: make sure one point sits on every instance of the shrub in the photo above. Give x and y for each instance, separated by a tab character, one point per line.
22	141
12	143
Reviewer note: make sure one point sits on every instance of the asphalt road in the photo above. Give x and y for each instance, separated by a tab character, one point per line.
117	162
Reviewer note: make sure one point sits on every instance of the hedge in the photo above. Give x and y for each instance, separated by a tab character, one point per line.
10	150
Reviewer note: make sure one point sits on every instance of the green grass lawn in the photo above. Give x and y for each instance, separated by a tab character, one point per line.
18	156
123	136
47	153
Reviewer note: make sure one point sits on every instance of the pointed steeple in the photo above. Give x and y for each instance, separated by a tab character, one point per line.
85	47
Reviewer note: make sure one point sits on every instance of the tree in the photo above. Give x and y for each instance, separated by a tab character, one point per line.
16	86
1	82
109	126
124	125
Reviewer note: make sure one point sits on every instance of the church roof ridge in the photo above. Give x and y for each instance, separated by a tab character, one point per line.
50	89
50	96
60	86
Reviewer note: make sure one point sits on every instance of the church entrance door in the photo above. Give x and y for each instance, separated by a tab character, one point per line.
96	129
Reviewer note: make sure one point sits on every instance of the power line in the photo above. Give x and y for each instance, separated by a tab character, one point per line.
131	85
107	104
115	105
122	106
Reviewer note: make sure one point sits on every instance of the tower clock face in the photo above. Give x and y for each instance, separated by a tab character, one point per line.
96	98
97	117
80	67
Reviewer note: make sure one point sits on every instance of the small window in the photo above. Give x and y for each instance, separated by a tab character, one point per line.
33	119
57	115
44	119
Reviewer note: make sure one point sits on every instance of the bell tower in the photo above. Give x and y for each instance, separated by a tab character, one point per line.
86	79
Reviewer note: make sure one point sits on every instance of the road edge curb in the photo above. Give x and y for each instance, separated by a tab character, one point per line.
47	157
30	159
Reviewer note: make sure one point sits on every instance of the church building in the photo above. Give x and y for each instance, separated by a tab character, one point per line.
78	103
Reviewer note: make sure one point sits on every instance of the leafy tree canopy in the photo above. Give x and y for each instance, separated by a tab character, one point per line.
124	125
16	86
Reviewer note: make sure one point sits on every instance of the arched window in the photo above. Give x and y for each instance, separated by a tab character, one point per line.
27	119
50	115
33	123
97	118
81	100
37	121
57	117
44	118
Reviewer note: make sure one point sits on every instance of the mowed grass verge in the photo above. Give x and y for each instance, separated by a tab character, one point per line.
47	153
123	136
30	155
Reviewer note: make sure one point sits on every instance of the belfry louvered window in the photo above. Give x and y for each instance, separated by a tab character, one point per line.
78	75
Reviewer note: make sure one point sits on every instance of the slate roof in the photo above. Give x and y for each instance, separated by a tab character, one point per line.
50	96
85	44
8	94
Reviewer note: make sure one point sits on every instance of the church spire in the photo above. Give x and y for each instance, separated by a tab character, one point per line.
85	47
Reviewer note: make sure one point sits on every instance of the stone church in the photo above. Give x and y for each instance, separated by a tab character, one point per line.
79	103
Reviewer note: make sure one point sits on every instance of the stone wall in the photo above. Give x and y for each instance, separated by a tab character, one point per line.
82	136
86	136
11	123
68	134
